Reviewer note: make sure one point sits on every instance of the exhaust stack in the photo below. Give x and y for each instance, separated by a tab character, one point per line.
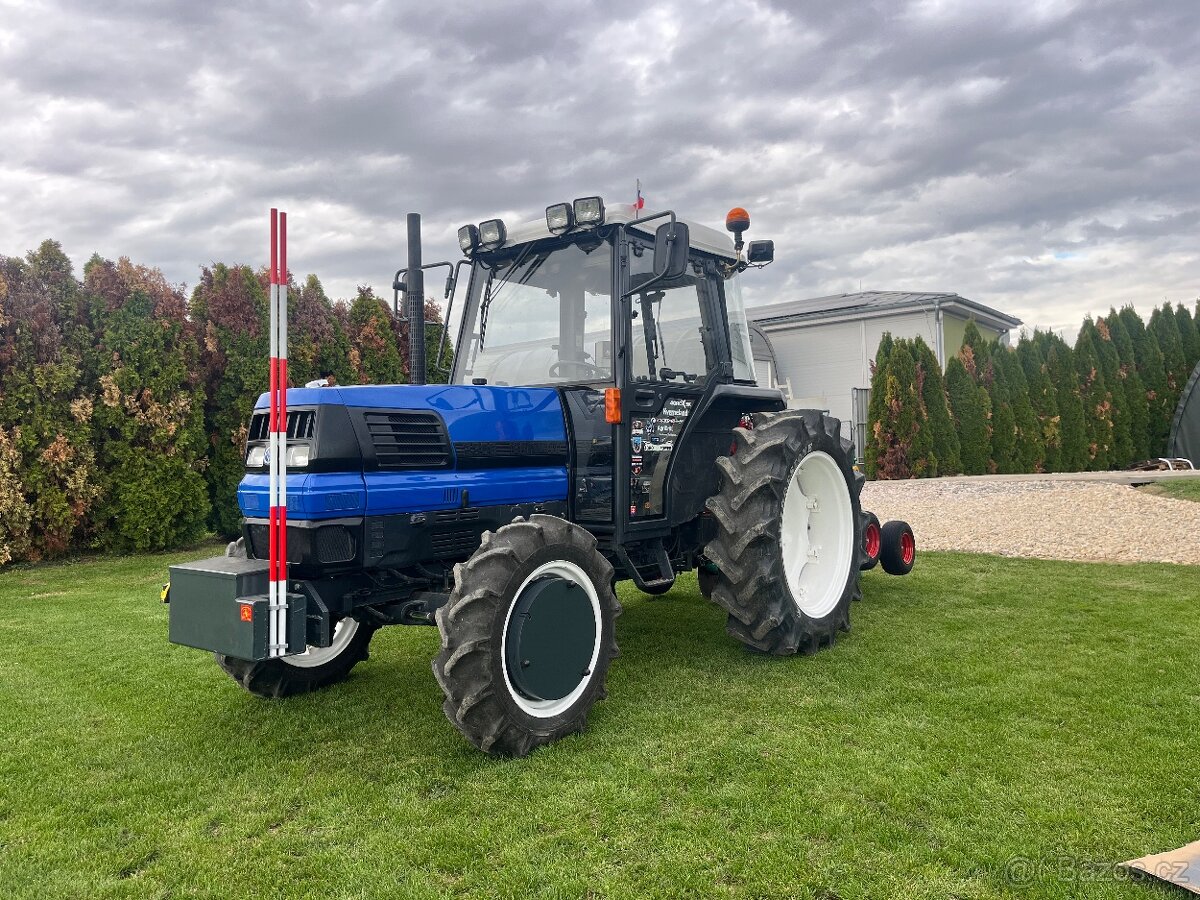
415	298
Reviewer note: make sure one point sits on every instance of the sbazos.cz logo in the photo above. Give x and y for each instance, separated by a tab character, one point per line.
1065	869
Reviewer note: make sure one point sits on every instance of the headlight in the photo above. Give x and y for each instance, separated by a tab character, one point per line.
559	218
589	211
297	456
468	239
492	234
257	457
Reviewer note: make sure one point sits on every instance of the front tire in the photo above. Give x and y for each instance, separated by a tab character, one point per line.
789	541
316	668
527	636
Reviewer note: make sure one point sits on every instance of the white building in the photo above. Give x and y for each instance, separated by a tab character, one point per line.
823	347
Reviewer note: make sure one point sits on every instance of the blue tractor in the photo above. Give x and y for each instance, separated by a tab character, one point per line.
601	423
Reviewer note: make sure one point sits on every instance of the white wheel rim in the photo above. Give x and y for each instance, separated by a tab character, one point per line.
343	634
816	535
545	709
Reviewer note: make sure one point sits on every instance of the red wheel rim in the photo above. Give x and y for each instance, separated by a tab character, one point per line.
908	548
872	540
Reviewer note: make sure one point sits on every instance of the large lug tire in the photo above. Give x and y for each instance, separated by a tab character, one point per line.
789	541
872	541
527	636
316	668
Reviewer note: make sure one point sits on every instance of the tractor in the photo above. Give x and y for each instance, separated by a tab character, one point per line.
601	422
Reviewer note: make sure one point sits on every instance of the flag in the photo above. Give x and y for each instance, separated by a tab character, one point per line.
639	203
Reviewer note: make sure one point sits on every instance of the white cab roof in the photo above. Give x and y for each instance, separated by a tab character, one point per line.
708	240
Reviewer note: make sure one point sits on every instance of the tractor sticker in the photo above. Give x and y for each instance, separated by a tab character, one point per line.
638	426
637	444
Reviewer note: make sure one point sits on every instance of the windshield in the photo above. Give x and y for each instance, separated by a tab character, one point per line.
540	316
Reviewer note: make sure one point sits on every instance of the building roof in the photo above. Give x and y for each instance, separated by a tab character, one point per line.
869	304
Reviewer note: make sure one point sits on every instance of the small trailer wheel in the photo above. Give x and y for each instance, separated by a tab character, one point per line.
872	542
898	549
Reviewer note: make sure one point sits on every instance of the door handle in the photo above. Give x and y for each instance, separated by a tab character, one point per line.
644	398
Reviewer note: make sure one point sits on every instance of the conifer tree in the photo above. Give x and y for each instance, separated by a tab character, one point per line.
1097	400
943	436
1121	451
149	415
898	445
978	345
1135	391
1030	451
1060	367
1150	368
970	417
1189	337
1004	424
1166	329
1163	352
1043	397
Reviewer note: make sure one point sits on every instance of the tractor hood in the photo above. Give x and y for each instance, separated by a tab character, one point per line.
471	412
383	449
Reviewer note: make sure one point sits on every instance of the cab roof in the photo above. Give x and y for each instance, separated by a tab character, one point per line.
703	238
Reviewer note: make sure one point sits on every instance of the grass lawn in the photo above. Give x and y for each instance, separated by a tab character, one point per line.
990	728
1178	488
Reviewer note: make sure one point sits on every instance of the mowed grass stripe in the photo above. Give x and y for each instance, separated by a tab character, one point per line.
981	710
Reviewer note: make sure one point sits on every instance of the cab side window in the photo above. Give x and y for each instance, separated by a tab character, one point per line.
668	326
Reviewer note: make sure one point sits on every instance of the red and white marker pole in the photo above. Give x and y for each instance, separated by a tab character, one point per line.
277	442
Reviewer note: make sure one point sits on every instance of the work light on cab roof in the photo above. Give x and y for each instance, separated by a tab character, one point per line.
492	234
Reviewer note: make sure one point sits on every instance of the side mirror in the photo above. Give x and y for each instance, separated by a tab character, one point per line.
760	252
670	255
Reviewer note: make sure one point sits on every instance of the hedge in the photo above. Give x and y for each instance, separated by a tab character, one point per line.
124	403
1042	406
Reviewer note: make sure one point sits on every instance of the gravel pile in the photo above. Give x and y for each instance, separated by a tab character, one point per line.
1092	522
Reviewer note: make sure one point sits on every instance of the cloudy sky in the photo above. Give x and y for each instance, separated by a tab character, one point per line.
1041	157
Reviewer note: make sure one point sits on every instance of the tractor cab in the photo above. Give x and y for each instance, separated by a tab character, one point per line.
548	301
637	321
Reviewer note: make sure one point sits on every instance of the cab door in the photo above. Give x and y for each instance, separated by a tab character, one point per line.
670	359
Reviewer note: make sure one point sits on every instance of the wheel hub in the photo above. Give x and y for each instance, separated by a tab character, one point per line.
816	534
551	639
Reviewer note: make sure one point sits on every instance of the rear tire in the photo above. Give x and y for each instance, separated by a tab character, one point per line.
493	654
316	668
898	552
789	541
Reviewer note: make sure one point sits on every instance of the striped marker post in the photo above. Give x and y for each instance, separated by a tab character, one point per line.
277	442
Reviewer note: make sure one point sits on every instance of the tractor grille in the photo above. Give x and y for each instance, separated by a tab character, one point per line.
409	440
334	544
300	425
456	542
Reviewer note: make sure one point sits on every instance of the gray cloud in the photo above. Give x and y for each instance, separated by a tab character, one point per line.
1040	157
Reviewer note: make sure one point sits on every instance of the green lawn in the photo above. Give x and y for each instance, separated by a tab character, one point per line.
991	728
1179	488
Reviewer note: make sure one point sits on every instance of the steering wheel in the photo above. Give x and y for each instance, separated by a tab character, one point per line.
592	371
